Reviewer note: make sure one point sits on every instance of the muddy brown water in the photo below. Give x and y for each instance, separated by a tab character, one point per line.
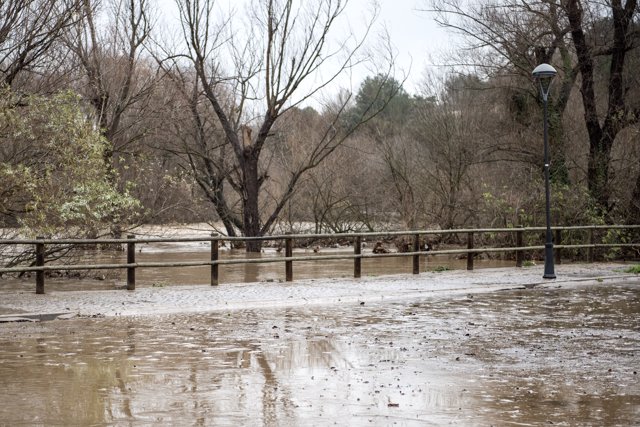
234	273
554	356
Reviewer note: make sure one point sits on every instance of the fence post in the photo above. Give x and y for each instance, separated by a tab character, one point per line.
470	254
40	263
558	250
416	258
215	246
131	259
357	261
592	240
519	243
288	253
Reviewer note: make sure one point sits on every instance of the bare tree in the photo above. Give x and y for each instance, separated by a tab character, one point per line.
29	29
512	37
339	195
193	137
452	140
397	148
603	128
252	75
506	40
114	78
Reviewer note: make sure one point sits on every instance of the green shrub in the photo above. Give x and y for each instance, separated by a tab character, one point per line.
635	269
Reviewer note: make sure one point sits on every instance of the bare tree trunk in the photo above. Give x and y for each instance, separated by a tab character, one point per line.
213	187
223	212
634	204
250	199
558	167
598	172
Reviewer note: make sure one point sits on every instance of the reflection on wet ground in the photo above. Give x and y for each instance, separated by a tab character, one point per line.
523	357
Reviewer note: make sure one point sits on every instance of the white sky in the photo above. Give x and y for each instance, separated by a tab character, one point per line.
415	36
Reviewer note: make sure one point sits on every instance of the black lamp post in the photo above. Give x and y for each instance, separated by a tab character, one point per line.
545	73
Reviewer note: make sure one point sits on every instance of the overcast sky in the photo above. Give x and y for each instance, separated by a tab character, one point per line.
414	34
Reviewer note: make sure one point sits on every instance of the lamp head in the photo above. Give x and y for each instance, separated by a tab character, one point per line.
544	73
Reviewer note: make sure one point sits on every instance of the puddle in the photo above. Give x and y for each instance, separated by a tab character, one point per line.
529	357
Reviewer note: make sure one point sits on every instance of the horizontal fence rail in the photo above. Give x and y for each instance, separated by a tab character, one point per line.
416	250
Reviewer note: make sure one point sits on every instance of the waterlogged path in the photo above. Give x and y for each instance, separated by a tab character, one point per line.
479	348
200	298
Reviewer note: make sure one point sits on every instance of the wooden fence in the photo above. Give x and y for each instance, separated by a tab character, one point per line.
39	265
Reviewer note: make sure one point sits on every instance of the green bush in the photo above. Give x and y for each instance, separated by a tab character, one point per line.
54	168
633	269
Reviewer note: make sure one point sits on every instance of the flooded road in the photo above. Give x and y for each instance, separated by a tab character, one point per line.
561	356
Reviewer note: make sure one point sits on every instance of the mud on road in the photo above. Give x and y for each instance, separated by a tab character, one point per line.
561	355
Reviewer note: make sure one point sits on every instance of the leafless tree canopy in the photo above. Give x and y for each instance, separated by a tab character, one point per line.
29	31
251	73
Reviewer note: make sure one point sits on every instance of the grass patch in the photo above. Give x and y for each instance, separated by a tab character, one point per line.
528	264
440	268
635	269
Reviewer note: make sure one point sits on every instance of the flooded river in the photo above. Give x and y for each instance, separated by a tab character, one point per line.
555	356
237	273
234	273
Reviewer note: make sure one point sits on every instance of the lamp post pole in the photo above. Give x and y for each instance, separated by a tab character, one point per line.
544	73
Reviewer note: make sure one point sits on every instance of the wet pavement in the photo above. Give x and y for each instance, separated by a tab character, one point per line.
452	348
